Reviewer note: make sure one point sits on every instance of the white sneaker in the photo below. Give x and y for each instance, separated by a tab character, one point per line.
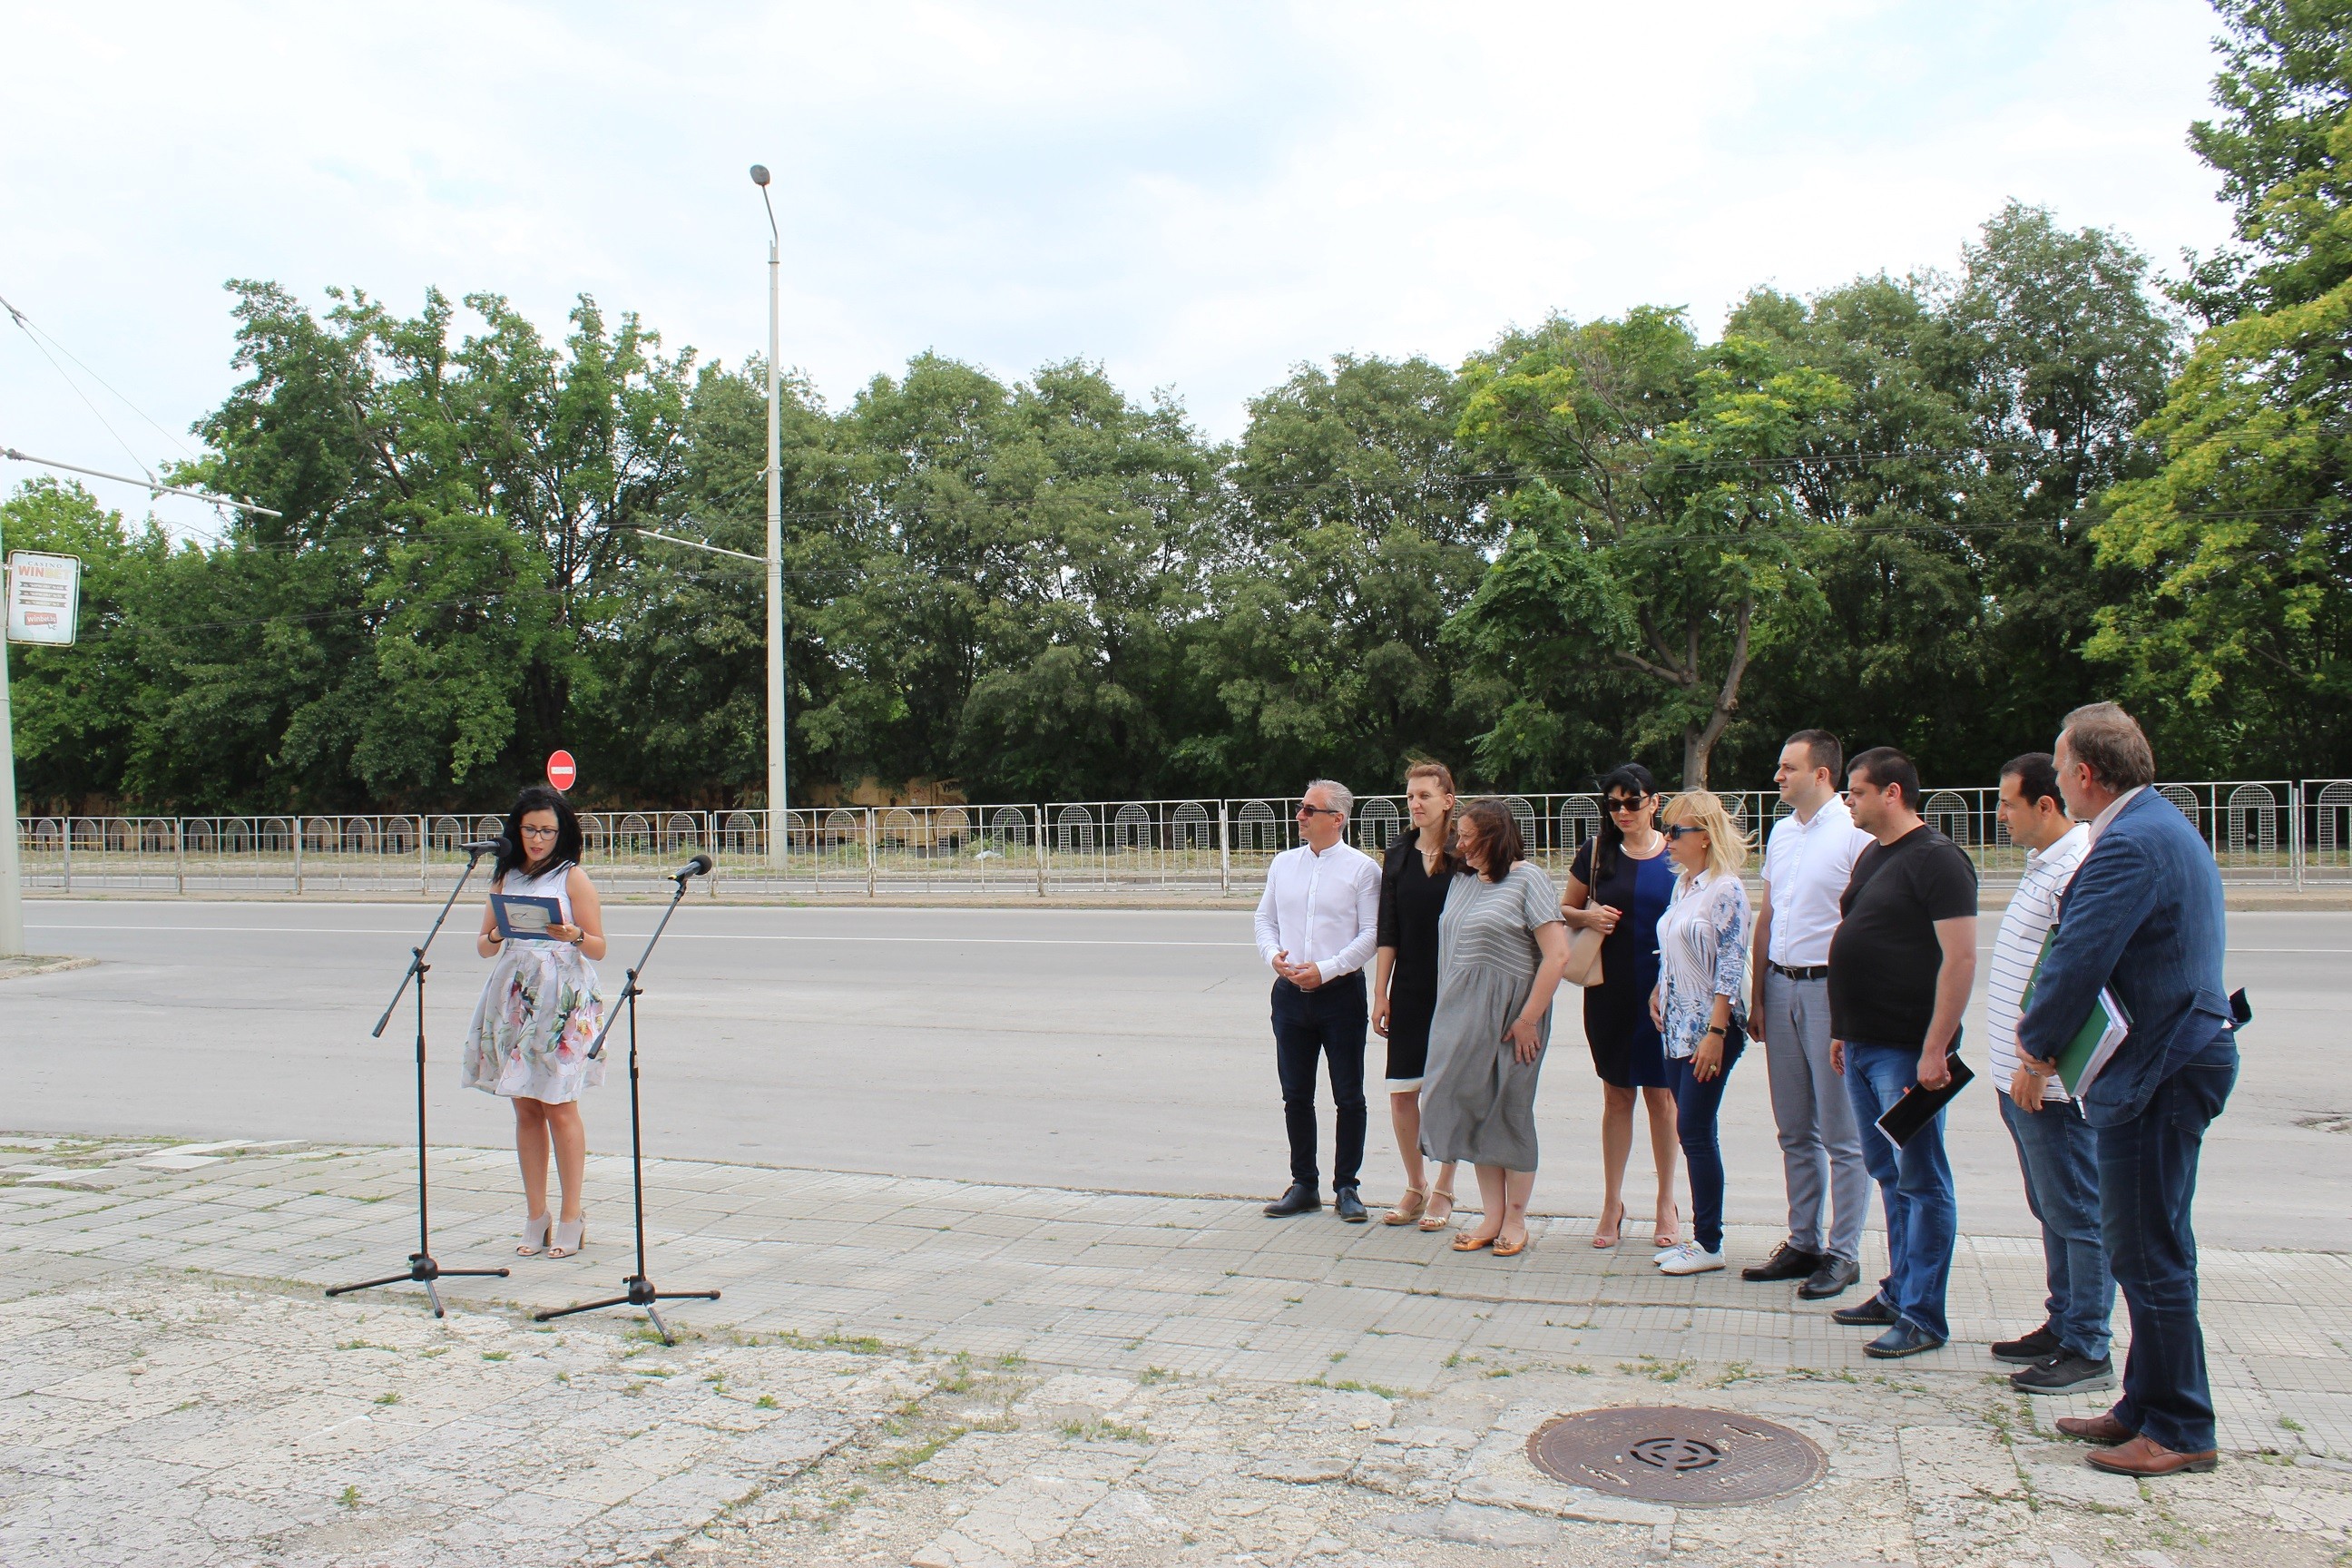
1690	1257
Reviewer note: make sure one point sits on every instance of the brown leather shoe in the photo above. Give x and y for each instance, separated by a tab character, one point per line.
2097	1429
2145	1457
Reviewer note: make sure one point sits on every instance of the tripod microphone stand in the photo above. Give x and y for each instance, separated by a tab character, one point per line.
422	1268
640	1291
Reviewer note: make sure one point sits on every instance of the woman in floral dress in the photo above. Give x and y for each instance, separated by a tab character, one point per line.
538	1013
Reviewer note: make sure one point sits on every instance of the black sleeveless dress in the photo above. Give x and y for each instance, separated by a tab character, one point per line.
1410	903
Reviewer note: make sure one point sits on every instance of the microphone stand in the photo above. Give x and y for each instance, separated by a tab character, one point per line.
640	1287
422	1268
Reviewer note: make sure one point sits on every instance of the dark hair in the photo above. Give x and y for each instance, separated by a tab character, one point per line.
2110	743
1825	748
1499	839
1885	765
2036	774
1634	779
539	797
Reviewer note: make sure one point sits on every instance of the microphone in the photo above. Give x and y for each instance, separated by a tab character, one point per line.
484	847
698	866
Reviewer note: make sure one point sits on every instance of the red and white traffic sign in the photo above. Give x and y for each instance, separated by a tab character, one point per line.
561	771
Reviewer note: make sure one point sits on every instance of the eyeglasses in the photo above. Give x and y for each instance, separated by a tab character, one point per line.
540	832
1679	829
1306	810
1618	807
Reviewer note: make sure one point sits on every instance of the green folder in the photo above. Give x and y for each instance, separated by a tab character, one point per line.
2094	1044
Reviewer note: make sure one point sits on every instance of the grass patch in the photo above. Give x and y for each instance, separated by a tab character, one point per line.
1104	1432
1151	1375
496	1355
350	1499
387	1399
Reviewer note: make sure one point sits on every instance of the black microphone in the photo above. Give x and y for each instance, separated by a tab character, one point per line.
698	866
484	847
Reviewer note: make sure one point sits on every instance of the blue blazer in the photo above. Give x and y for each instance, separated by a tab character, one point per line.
2144	917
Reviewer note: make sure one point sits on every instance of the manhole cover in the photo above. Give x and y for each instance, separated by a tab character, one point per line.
1691	1459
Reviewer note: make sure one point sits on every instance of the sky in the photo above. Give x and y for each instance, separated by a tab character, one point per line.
1196	197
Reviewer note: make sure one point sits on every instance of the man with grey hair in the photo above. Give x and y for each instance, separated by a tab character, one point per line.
1317	923
2143	919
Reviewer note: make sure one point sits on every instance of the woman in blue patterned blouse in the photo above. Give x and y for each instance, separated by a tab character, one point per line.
1699	1002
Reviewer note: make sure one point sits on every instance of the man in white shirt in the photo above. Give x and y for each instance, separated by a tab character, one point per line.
2057	1151
1808	861
1317	924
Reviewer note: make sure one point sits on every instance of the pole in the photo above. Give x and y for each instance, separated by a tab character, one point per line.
12	873
779	797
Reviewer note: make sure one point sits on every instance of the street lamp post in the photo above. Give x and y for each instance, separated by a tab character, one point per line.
779	800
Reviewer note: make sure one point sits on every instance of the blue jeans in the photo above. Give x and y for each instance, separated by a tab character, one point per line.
1695	1105
1328	1023
2059	1154
1915	1182
2148	1179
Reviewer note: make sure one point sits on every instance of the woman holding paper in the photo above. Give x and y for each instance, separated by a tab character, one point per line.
541	1010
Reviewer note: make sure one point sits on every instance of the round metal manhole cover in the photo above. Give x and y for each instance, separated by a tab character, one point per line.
1690	1458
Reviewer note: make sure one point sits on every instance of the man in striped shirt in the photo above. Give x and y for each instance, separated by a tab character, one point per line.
2056	1149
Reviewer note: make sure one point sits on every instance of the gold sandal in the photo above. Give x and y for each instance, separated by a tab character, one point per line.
1407	1211
1434	1222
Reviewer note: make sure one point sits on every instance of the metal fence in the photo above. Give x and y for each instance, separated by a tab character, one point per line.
2269	832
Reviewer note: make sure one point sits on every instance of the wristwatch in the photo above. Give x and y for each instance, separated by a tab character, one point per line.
1717	1030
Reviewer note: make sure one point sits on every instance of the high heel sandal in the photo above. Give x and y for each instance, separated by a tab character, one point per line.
1669	1234
1407	1210
534	1236
1431	1219
1609	1233
570	1236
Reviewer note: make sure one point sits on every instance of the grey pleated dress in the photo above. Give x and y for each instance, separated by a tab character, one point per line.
1477	1100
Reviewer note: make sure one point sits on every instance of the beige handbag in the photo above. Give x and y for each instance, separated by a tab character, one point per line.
1584	958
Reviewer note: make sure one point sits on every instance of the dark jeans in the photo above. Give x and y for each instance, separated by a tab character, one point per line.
2148	1179
2059	1154
1330	1021
1696	1104
1915	1182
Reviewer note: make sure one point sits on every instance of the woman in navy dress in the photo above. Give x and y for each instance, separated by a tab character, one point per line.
1619	885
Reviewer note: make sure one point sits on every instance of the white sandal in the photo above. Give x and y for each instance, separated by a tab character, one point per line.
534	1236
570	1236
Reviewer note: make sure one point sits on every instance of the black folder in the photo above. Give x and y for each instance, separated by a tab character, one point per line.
1907	1115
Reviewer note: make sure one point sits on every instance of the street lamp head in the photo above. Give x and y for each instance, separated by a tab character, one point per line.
759	174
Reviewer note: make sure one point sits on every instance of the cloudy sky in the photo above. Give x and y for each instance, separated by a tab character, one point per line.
1196	196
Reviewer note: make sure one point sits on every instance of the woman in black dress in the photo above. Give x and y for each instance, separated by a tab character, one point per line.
1414	881
1620	886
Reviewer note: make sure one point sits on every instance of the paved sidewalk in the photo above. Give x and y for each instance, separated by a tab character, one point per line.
959	1376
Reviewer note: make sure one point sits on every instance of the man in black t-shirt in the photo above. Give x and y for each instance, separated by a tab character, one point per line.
1900	967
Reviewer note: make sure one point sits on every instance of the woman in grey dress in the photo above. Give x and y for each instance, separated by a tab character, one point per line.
1501	950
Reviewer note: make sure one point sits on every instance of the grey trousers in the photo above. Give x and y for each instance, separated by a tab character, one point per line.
1821	1147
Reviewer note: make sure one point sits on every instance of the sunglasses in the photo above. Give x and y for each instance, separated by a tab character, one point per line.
1618	807
1305	810
1679	829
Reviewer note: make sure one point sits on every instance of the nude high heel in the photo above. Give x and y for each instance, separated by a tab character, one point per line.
570	1236
533	1238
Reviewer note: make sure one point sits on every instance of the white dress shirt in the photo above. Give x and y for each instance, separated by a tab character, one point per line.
1321	909
2099	823
1806	867
2033	910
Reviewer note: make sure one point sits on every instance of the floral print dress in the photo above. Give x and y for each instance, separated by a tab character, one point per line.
538	1012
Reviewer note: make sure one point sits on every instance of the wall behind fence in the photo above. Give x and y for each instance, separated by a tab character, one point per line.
2270	832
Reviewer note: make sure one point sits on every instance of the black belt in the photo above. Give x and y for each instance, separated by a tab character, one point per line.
1813	971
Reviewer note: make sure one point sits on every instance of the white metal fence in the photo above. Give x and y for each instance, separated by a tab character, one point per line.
2270	832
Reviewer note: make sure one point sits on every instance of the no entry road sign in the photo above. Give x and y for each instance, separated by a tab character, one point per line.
562	770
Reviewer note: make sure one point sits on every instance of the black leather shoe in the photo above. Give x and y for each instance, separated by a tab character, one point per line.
1835	1277
2038	1346
1903	1339
1786	1263
1349	1206
1302	1198
2064	1373
1875	1313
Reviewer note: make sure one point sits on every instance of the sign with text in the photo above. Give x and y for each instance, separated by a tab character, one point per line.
561	771
43	598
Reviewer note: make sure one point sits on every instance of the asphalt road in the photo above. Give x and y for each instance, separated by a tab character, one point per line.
1124	1049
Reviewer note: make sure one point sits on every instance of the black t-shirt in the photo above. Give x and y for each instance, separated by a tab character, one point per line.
1885	956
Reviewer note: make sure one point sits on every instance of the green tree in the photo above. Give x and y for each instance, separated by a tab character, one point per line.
1652	524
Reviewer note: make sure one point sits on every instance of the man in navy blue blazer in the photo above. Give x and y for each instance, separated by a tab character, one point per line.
2143	918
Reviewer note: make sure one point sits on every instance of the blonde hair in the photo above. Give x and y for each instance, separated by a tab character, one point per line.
1726	846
